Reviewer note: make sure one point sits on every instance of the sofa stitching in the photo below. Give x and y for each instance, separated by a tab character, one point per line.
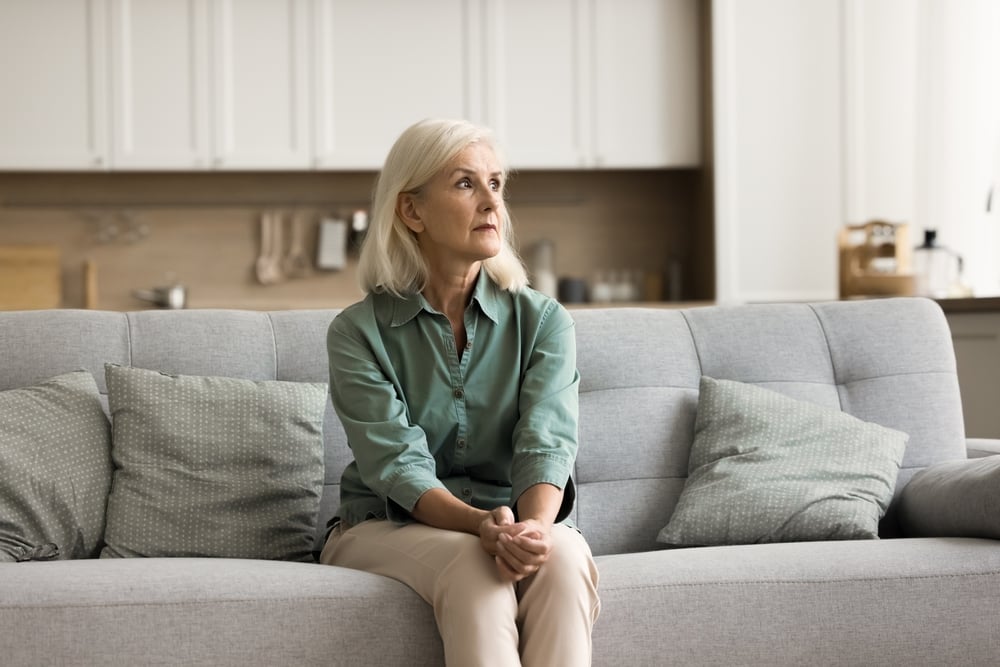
717	584
694	343
825	384
829	354
187	603
128	336
809	582
274	343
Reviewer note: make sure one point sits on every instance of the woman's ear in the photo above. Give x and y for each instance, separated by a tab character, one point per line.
406	209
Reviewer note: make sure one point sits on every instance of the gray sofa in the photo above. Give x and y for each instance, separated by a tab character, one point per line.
893	601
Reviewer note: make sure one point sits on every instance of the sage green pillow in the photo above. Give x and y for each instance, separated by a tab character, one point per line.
765	467
55	469
213	466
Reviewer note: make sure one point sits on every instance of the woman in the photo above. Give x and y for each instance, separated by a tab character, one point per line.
458	389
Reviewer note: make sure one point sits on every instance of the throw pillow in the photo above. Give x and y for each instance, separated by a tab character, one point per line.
765	467
55	469
213	466
953	499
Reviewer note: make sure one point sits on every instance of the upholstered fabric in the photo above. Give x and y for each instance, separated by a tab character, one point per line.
890	601
768	468
213	466
958	498
55	469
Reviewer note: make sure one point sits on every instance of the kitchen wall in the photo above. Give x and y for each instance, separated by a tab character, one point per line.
142	229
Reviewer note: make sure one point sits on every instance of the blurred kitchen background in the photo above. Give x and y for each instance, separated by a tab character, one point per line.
220	153
668	151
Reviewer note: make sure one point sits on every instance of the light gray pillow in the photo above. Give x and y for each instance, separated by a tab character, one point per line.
55	469
213	466
953	499
765	467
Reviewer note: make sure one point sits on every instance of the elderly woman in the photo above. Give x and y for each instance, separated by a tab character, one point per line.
457	386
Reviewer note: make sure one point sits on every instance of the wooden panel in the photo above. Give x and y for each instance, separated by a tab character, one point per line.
29	277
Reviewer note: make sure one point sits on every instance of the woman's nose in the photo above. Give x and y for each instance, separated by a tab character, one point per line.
491	200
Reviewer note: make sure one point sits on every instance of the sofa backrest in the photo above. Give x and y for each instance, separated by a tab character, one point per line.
888	361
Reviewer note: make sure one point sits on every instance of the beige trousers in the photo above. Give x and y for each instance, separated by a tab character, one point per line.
544	620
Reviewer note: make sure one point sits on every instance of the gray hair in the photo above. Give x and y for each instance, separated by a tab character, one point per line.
390	256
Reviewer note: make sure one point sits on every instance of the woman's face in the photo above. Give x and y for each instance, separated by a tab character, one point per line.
458	214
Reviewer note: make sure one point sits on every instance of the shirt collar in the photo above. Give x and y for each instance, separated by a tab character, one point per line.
485	294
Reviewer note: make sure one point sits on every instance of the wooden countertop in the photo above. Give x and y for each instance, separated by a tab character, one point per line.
982	304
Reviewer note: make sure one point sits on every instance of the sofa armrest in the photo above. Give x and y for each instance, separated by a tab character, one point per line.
953	499
977	448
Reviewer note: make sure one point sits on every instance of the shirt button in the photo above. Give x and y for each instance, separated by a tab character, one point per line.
466	492
461	443
459	393
468	345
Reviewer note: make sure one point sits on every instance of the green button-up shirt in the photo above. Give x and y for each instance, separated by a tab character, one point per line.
485	426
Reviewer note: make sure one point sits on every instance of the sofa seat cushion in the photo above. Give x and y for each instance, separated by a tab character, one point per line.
765	467
55	469
213	466
851	602
210	611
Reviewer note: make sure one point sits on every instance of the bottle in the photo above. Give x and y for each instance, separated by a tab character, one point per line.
543	274
935	268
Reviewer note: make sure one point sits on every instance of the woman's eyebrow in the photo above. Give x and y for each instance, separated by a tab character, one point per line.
472	172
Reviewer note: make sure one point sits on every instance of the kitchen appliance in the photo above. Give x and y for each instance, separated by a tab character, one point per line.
876	260
171	296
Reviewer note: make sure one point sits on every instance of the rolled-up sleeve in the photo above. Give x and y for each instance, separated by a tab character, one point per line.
391	454
546	434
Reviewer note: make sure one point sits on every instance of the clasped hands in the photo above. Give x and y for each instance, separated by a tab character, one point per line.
520	548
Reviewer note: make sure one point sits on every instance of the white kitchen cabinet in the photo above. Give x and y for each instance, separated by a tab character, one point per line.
54	83
261	84
328	84
646	83
160	74
537	83
976	336
591	83
382	66
778	138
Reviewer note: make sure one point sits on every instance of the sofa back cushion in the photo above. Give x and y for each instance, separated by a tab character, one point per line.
888	361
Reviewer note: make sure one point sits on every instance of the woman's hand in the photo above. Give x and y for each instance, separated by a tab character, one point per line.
520	548
523	549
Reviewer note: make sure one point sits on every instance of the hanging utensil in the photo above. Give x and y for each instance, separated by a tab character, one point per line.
296	262
267	266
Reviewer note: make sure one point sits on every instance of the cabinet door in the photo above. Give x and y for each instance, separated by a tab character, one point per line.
646	95
778	141
54	110
977	355
261	84
382	66
160	117
538	81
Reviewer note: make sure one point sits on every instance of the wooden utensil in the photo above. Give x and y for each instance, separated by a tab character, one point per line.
296	262
267	266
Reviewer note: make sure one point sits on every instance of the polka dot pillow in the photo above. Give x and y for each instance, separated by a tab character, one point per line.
55	469
765	467
213	466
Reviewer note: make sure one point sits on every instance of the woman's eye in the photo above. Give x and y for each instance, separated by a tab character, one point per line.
465	183
495	185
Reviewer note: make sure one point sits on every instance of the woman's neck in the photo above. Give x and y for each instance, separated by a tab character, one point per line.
450	293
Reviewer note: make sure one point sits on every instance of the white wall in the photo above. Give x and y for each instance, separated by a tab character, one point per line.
834	112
